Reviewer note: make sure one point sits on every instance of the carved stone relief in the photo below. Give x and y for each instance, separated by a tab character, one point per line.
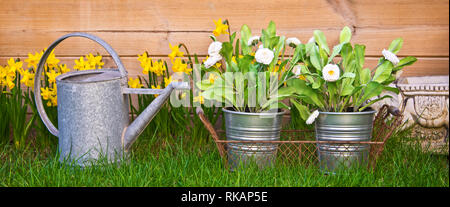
424	102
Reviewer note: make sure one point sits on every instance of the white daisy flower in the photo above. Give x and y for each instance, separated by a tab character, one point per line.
264	56
312	117
214	48
297	70
312	40
390	56
293	42
212	60
253	40
330	72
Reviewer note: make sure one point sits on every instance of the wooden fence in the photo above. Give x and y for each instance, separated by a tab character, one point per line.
132	26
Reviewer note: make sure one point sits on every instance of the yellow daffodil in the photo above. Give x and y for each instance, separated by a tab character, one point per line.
52	61
63	68
144	60
92	62
33	60
27	78
212	77
95	62
220	28
146	68
157	87
10	82
46	93
14	66
52	74
175	52
135	83
183	95
167	81
81	64
179	66
2	76
158	68
199	99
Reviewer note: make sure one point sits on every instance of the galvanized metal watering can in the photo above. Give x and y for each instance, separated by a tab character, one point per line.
93	109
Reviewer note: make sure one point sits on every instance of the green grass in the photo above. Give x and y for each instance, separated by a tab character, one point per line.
172	162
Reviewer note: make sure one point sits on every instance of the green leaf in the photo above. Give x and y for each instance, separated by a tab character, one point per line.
336	51
364	76
246	33
315	59
404	62
383	72
227	52
371	90
346	54
396	45
392	89
301	88
244	63
204	85
348	75
232	37
278	47
303	110
321	40
271	29
346	35
359	56
347	90
316	84
374	101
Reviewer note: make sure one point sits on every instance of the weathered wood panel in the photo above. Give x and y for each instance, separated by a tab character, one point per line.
424	65
134	26
417	41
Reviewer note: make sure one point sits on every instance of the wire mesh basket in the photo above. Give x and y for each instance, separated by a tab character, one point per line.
300	147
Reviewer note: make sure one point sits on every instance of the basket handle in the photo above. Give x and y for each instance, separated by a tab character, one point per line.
37	82
211	130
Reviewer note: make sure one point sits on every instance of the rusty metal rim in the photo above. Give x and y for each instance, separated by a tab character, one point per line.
302	142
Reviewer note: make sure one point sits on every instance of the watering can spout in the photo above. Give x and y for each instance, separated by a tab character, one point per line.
131	133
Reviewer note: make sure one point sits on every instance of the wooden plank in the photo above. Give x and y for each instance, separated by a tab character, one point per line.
400	13
177	15
418	41
423	67
163	15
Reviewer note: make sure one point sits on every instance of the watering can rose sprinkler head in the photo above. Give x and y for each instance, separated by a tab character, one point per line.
93	109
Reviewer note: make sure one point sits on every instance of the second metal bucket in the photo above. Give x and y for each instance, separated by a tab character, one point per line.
253	128
343	127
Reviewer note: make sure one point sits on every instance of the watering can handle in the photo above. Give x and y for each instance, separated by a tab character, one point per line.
37	82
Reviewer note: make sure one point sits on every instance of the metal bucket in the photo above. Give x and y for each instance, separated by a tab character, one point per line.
243	126
343	126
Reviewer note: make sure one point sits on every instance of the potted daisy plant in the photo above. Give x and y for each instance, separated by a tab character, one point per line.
336	93
243	75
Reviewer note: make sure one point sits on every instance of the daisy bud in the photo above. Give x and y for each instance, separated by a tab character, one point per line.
293	42
390	56
253	41
312	117
214	48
